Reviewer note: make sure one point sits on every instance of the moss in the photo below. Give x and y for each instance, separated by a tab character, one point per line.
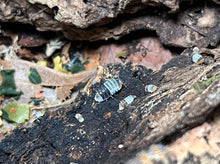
205	83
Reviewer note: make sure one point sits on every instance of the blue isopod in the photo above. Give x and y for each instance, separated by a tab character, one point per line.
197	57
126	101
109	88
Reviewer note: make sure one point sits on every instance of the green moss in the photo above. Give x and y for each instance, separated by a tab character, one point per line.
120	54
205	83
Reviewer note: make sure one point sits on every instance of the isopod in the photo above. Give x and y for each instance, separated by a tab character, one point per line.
109	88
151	88
120	146
126	101
79	117
197	57
195	50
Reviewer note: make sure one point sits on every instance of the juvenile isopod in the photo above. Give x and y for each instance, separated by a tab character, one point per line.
126	101
109	88
197	57
151	88
79	117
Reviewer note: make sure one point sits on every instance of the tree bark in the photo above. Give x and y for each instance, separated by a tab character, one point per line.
103	20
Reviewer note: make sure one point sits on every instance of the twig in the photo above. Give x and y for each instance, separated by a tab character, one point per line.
194	29
54	106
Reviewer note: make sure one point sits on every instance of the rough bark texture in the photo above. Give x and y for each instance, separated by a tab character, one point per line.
185	26
187	94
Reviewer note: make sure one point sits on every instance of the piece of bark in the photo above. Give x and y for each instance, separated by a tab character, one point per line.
100	20
200	144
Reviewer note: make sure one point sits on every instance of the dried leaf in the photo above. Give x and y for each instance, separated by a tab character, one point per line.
147	51
108	53
93	57
65	53
49	78
3	64
150	53
63	92
16	113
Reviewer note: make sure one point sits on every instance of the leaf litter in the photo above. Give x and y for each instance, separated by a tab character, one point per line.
50	78
32	78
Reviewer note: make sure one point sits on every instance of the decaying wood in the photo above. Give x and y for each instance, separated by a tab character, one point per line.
189	107
198	145
98	20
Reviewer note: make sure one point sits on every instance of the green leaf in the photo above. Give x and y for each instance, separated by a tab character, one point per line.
9	92
34	76
74	68
86	62
36	101
120	54
17	113
8	78
7	87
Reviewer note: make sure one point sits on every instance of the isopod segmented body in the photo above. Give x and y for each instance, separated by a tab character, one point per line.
109	88
126	101
150	88
79	117
197	57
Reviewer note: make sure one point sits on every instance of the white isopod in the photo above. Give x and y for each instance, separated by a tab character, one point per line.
197	57
79	117
109	88
151	88
126	101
